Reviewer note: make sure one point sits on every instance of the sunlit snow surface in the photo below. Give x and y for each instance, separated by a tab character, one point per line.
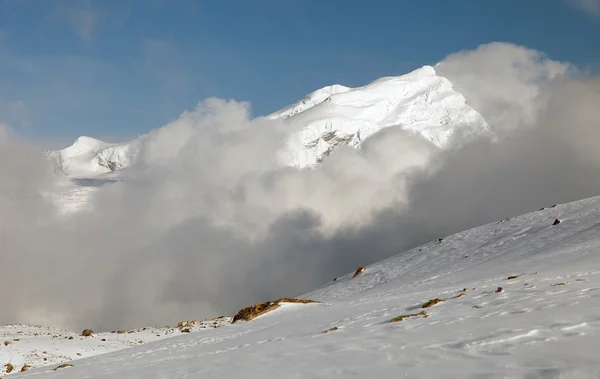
543	324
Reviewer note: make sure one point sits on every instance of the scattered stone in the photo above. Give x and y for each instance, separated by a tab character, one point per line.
541	209
62	366
440	239
514	277
403	317
186	330
556	222
477	306
87	333
554	206
250	313
330	330
499	290
460	295
103	340
560	284
358	271
141	341
432	302
71	337
9	367
196	322
6	343
122	332
183	324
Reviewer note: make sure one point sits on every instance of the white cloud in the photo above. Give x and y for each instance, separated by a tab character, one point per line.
84	21
502	81
590	6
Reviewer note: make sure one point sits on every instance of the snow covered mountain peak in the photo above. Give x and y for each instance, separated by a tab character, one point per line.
420	101
91	157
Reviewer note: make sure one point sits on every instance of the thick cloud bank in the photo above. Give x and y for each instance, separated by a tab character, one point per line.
207	222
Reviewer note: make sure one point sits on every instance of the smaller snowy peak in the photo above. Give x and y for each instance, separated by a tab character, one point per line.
84	144
91	157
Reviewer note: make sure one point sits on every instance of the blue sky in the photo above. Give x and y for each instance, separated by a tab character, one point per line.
114	69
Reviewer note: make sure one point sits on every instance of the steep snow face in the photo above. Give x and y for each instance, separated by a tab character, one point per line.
91	157
520	299
420	102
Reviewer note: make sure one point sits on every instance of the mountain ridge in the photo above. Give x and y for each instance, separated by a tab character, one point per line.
420	102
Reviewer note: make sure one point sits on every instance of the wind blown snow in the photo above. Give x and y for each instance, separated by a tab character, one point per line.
207	220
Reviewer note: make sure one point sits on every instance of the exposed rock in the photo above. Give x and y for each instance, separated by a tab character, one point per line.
87	333
62	366
9	367
432	302
499	290
358	271
514	277
556	222
25	367
330	330
403	317
250	313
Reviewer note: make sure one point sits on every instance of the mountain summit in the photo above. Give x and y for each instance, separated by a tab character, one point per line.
420	101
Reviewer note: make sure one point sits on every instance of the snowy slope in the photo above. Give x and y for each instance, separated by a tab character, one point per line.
542	324
37	346
332	116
